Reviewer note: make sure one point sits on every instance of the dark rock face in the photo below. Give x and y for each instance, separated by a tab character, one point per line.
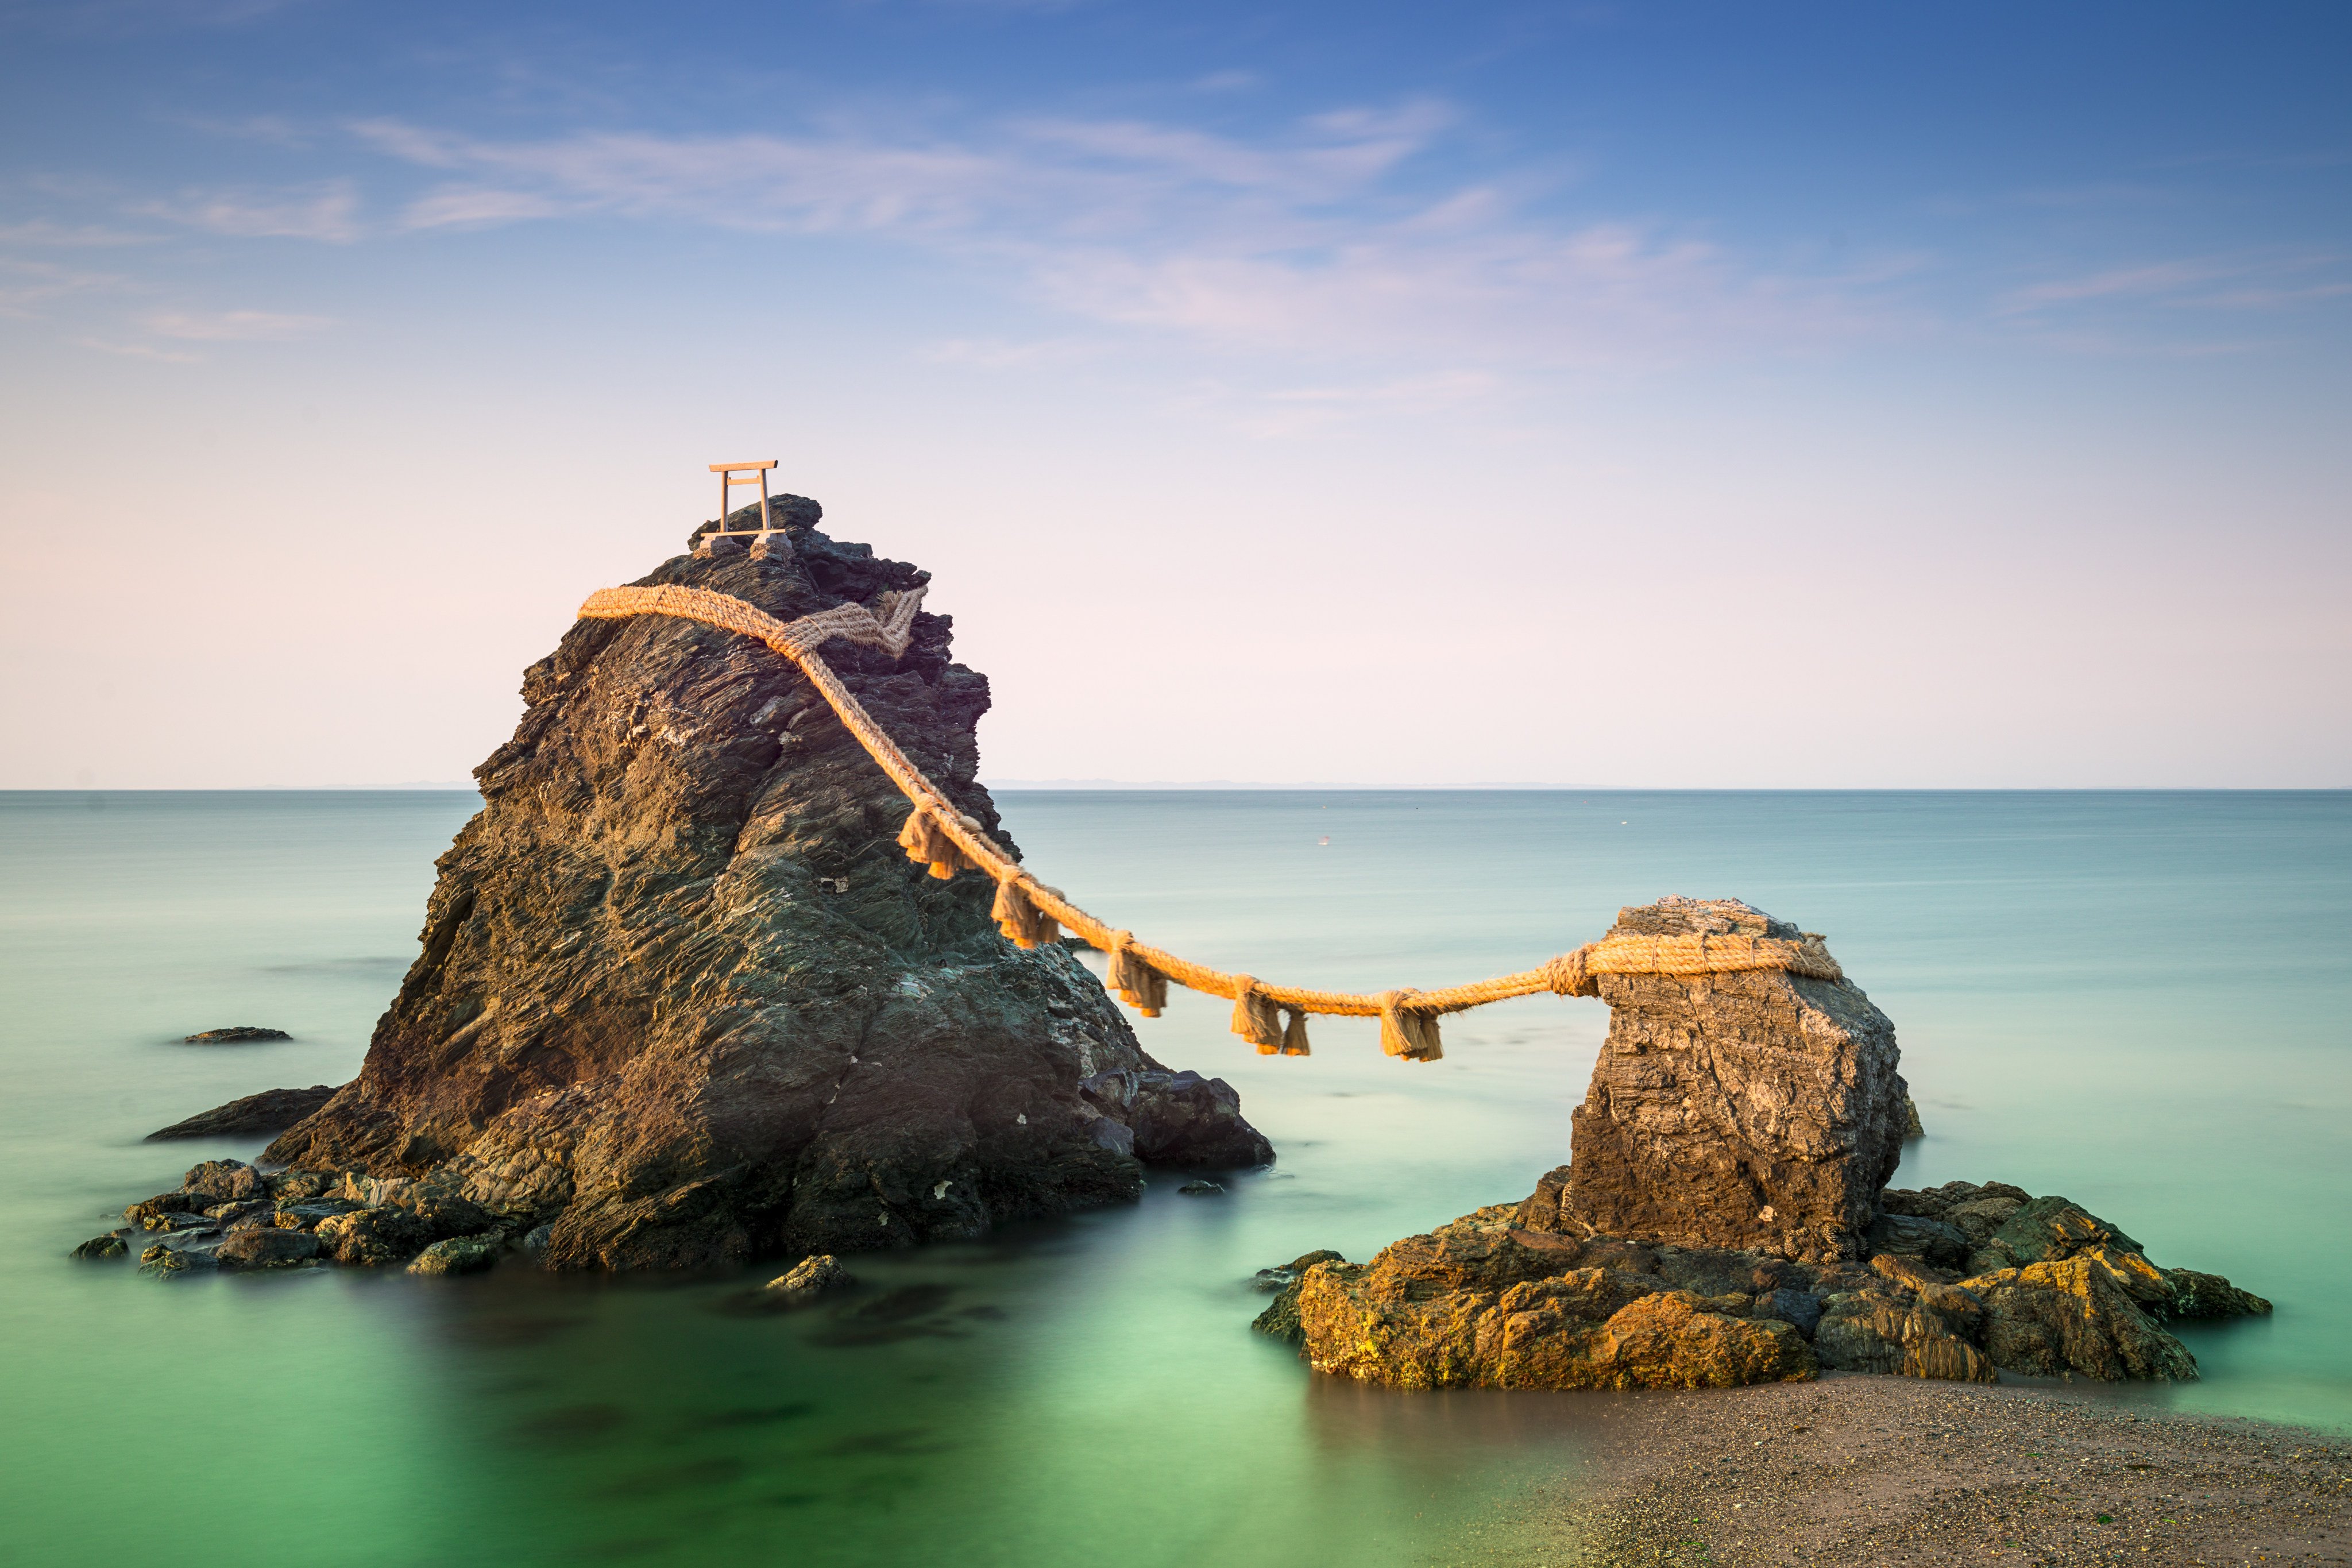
1180	1118
271	1111
684	1000
233	1034
1486	1302
1752	1110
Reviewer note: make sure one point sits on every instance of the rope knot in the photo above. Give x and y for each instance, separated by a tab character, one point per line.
1568	975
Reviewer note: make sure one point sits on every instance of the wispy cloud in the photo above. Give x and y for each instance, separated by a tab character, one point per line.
1285	412
234	326
327	211
2235	282
138	350
44	232
25	285
1325	236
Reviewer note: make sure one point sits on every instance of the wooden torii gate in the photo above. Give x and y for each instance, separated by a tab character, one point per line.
753	473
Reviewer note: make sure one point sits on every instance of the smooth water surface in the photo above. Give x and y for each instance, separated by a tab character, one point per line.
2139	1000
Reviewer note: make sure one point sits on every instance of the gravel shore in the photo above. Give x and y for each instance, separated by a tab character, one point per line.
1870	1470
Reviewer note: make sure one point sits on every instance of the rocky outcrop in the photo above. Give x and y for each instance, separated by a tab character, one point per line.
271	1111
233	1034
1180	1119
1746	1110
1487	1302
682	1000
1483	1304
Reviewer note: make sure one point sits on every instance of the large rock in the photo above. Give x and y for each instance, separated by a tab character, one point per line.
682	997
1754	1110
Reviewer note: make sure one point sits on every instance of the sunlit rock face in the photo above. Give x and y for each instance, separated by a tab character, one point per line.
682	999
1758	1111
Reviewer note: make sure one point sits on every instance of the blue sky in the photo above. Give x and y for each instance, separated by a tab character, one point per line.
1678	394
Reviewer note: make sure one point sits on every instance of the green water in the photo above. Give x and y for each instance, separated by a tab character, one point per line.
2139	1000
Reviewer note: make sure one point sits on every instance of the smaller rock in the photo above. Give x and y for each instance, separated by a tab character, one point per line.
1910	1236
812	1276
2052	1229
2195	1295
107	1246
243	1216
302	1187
226	1181
1800	1308
161	1259
1284	1275
371	1237
458	1255
1180	1119
158	1212
271	1111
1912	1131
535	1240
1874	1330
266	1247
1280	1318
310	1214
233	1034
1200	1189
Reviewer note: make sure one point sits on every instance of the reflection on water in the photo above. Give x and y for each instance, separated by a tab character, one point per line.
2137	1000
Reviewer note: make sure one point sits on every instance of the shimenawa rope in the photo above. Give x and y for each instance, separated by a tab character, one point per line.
1271	1017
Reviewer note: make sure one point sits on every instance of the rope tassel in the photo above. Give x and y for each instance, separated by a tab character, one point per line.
1407	1031
1022	922
924	840
1138	985
1294	1032
1257	1018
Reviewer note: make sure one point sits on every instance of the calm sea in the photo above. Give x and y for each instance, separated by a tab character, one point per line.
2143	1001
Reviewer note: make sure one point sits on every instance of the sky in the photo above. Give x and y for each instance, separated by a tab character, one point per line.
1672	395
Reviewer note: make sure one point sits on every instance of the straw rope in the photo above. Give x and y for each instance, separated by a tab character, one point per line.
1028	911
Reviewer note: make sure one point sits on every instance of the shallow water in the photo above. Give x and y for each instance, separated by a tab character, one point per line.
2139	1000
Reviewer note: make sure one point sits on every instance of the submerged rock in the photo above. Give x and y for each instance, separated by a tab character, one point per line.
271	1111
682	1000
107	1246
459	1255
265	1246
812	1277
233	1034
164	1259
1758	1109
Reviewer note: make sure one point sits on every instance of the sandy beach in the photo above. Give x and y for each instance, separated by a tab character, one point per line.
1856	1469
